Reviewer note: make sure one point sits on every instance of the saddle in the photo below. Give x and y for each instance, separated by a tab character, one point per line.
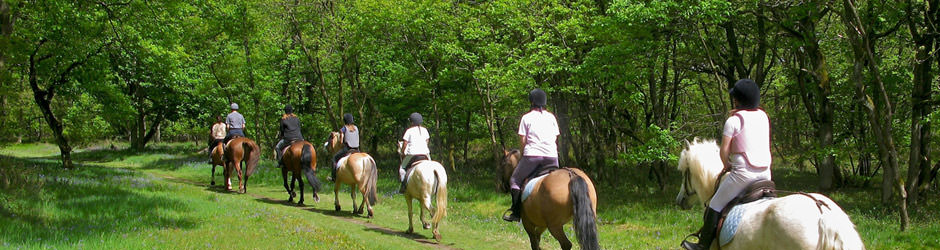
534	178
754	192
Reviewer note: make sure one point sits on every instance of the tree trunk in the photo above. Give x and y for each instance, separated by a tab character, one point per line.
924	45
878	106
43	99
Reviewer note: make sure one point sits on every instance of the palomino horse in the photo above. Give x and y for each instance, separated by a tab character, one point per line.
554	200
789	222
425	179
359	171
300	158
237	150
218	159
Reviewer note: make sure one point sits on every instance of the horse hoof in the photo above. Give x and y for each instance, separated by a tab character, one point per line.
337	208
316	198
290	200
213	183
300	203
427	226
370	214
437	237
410	231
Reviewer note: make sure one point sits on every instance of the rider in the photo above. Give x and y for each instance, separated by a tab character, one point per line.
745	153
218	134
350	141
289	132
414	146
538	131
235	123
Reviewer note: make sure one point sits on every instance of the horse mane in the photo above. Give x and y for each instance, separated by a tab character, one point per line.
703	161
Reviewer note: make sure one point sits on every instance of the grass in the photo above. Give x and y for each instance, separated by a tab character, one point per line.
160	199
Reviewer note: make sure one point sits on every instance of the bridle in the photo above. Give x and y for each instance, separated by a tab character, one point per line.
687	179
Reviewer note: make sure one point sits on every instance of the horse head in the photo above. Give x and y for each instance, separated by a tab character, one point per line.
332	143
700	165
507	165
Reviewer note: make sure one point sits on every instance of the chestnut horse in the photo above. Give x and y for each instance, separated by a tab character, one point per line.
237	150
217	159
300	158
358	170
554	200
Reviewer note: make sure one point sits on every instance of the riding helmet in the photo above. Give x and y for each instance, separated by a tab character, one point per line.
746	92
288	109
348	118
234	106
538	98
416	119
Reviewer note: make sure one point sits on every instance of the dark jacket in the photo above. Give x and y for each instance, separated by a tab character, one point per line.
290	129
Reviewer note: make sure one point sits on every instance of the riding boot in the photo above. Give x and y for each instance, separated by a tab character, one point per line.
707	233
332	173
401	189
516	206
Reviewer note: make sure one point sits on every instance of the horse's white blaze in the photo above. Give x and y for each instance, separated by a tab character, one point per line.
790	222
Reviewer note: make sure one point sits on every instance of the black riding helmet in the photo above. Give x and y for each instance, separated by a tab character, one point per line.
746	92
538	98
348	118
288	109
416	119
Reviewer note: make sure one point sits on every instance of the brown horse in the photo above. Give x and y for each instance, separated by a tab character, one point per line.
218	159
359	171
554	200
237	150
505	168
300	158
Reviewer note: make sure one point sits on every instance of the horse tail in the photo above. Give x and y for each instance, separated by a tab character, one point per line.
836	231
251	157
373	176
441	190
584	218
309	167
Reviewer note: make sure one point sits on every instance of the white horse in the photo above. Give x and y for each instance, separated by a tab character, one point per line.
427	178
789	222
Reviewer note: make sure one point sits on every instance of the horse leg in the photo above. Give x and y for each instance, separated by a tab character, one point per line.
299	179
352	193
411	228
559	233
336	195
289	192
425	205
535	234
238	169
213	174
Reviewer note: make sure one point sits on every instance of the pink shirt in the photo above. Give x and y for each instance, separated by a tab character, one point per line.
540	130
750	133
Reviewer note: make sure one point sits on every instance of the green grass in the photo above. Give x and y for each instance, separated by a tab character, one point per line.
119	199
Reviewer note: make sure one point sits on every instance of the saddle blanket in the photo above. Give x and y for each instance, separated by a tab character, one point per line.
730	226
531	185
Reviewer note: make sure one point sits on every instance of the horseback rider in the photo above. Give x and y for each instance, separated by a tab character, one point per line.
235	123
414	147
289	131
538	132
350	134
218	134
745	153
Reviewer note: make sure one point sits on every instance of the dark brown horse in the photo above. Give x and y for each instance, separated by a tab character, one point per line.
300	158
240	150
554	200
218	159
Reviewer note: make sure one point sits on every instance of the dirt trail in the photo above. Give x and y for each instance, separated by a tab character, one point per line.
368	225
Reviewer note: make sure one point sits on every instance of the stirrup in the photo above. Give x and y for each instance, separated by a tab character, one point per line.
686	241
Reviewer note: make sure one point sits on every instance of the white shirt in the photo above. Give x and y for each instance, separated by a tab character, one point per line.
540	130
417	138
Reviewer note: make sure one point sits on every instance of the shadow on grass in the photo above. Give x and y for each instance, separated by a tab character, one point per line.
44	204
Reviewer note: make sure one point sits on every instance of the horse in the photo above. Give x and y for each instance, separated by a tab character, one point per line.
800	221
218	159
425	179
554	200
237	150
358	170
300	158
505	169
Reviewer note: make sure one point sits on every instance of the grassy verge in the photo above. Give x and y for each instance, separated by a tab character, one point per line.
159	198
